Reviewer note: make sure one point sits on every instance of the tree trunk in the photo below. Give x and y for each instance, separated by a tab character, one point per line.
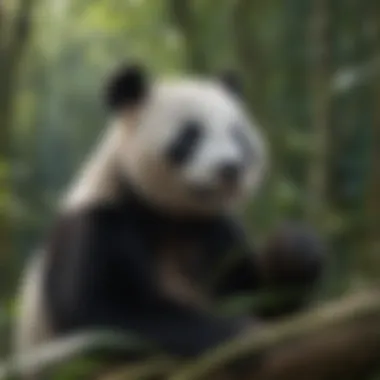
249	56
320	82
184	18
13	37
373	204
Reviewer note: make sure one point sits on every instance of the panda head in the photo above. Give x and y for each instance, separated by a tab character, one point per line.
186	145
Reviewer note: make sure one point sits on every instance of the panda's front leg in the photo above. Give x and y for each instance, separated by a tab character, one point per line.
284	272
290	266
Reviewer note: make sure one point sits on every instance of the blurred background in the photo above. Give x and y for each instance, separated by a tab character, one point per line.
311	73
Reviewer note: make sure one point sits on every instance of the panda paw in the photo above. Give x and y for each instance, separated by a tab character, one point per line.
294	255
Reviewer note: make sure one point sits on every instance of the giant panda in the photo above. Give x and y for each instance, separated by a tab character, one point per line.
152	215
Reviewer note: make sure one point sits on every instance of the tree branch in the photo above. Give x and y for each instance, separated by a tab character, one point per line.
334	341
340	340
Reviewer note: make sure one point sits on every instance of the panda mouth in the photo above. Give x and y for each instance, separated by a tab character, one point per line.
203	192
209	193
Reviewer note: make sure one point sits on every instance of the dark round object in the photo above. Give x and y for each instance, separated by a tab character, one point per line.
294	255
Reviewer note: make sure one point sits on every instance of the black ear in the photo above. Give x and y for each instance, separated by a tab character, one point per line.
127	87
231	81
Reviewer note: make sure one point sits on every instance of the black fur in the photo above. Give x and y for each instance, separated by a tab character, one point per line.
303	255
101	273
185	143
232	82
126	88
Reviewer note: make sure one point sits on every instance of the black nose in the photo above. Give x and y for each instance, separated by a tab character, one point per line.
229	172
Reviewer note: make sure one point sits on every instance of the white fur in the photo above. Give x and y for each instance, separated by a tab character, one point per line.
96	180
139	143
33	328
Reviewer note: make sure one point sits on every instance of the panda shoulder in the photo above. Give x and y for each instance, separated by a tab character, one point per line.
97	224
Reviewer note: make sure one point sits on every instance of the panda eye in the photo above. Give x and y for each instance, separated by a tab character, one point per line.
185	143
242	139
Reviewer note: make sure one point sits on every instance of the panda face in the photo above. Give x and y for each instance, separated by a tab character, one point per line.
193	148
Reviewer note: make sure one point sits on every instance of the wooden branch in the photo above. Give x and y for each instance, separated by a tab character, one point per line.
340	340
335	341
69	348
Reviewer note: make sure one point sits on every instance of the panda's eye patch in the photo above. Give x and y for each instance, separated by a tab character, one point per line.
185	143
242	139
